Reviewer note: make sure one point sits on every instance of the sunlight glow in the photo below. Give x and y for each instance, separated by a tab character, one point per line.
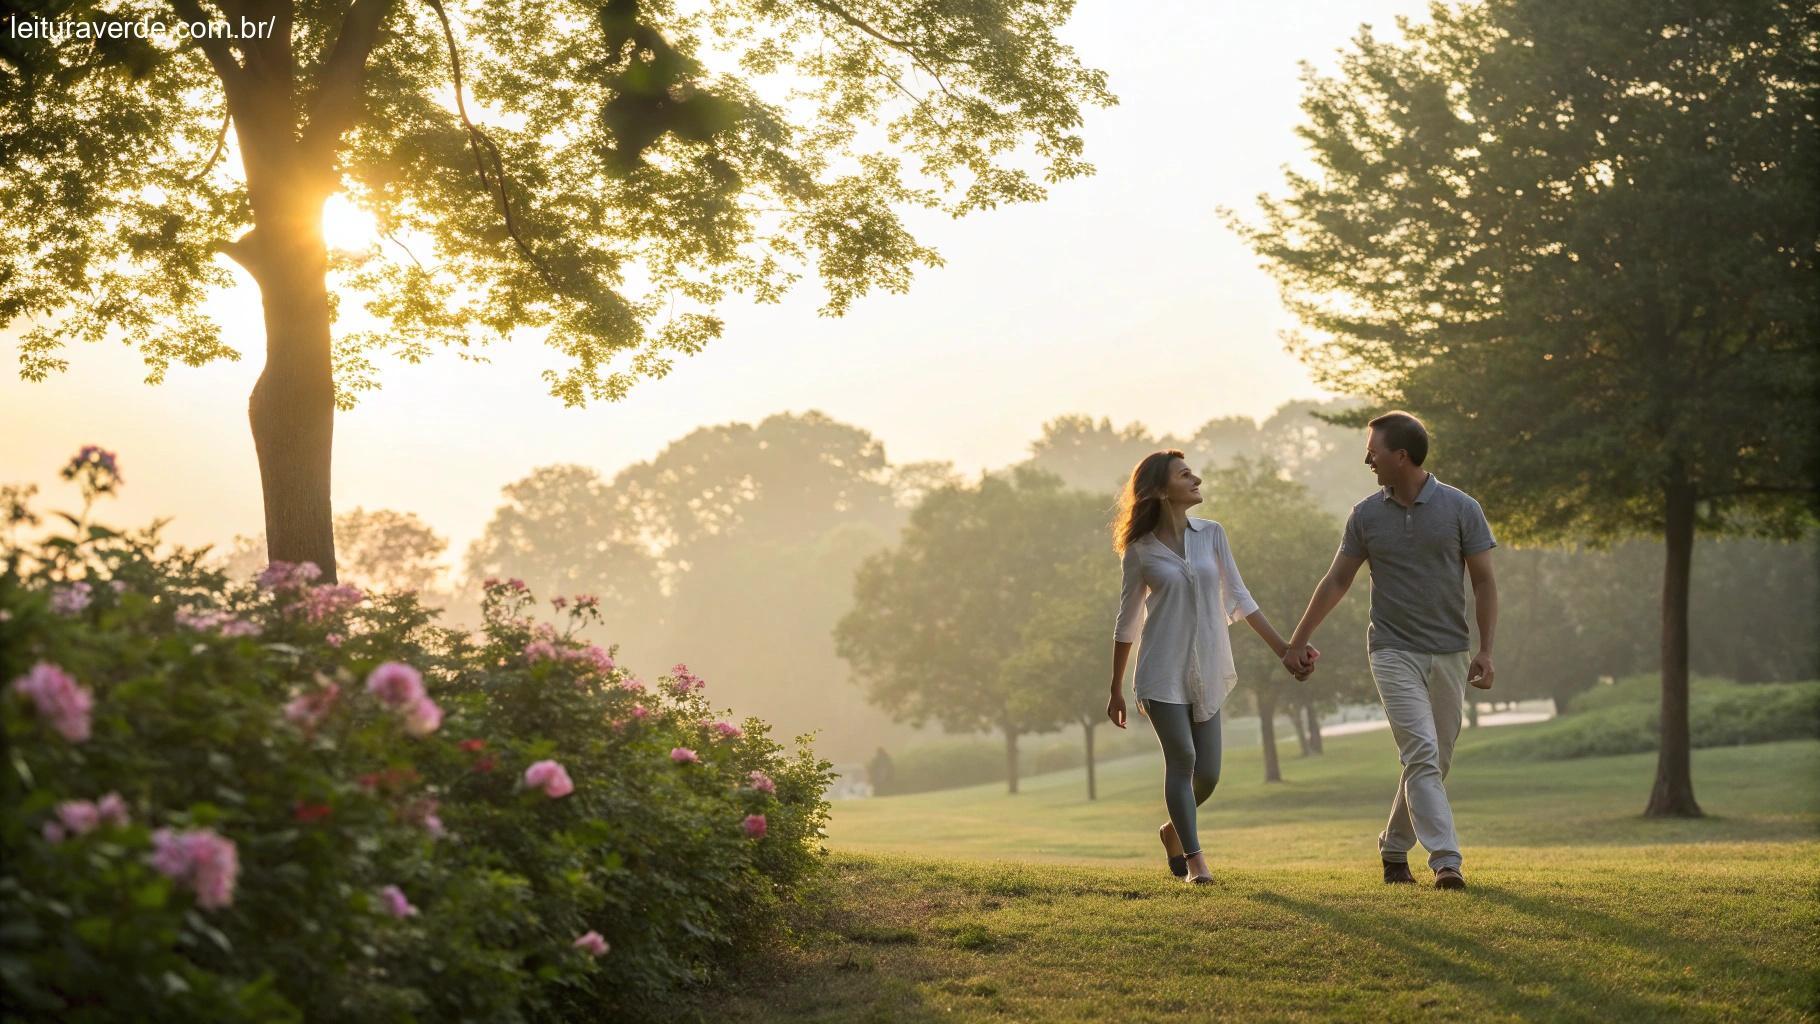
346	226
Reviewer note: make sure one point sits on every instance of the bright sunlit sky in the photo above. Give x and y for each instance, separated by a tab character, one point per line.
1123	296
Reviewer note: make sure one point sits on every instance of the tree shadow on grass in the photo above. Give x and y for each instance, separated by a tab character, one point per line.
1563	987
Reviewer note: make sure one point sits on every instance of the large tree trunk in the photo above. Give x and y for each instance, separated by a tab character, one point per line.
1472	714
1314	728
1266	700
1092	790
1673	796
292	409
1301	733
1011	759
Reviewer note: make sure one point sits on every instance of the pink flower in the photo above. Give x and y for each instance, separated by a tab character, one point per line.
395	903
397	684
640	712
540	650
760	781
686	680
587	602
683	755
334	639
728	730
201	859
550	777
78	816
215	620
113	810
53	832
515	583
423	717
596	657
559	603
754	826
592	943
329	600
307	711
59	699
633	686
287	575
71	598
118	586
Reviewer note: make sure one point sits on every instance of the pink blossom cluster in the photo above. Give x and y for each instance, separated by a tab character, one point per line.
551	777
98	467
760	781
79	817
515	585
288	575
328	600
400	687
592	655
683	755
422	813
393	899
306	711
754	826
58	699
216	620
633	685
727	730
591	943
201	859
685	680
71	598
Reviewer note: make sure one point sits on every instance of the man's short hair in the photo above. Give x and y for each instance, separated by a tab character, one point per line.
1401	430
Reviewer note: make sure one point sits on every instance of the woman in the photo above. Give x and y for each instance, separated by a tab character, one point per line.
1184	669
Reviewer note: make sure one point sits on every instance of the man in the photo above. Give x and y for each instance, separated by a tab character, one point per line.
1421	537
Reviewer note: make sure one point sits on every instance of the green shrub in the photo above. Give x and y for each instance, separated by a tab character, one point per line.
393	861
1626	718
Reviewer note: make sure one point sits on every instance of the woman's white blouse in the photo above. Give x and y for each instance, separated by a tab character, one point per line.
1185	656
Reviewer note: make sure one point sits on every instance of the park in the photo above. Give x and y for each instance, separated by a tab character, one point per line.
628	510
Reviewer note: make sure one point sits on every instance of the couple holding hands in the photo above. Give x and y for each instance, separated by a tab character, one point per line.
1182	589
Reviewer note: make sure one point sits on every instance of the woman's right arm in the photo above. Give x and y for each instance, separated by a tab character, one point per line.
1126	630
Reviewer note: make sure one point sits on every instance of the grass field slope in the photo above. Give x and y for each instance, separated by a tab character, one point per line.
975	905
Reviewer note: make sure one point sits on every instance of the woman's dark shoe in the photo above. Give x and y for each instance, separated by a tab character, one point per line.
1178	865
1397	871
1449	878
1202	879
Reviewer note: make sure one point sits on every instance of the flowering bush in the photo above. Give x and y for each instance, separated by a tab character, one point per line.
287	799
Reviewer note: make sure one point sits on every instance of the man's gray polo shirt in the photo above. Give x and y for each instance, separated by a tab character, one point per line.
1418	565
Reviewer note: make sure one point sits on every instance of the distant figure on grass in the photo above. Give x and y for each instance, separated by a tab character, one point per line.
1183	589
1421	537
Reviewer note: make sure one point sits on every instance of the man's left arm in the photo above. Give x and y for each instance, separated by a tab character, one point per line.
1485	606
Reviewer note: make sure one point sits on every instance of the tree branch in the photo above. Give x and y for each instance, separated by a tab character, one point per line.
215	49
338	84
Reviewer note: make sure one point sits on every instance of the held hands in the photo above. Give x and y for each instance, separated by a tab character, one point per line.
1480	673
1299	660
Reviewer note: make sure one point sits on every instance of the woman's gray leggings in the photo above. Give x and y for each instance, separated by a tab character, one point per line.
1191	759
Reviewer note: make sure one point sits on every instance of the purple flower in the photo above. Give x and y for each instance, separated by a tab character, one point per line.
423	717
550	777
395	903
71	598
397	684
59	699
201	859
591	943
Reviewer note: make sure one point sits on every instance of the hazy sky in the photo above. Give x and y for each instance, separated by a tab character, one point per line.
1121	296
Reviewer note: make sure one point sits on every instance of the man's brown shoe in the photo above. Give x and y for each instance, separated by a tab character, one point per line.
1449	878
1397	871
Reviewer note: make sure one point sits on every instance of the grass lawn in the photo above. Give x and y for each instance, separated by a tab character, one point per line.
972	904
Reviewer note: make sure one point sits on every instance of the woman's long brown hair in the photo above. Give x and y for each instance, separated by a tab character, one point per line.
1141	505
